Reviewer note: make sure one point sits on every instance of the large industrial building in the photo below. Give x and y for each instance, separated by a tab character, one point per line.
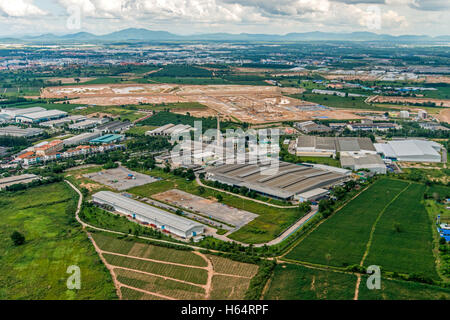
60	122
15	131
412	150
81	138
41	116
372	162
170	129
155	217
12	113
330	146
289	180
114	126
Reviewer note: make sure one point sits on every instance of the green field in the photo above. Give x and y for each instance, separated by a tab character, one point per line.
341	240
54	241
402	290
295	282
402	240
387	224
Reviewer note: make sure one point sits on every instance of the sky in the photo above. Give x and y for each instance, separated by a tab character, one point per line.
396	17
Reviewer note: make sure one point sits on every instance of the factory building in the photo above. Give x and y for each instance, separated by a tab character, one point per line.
285	182
108	138
81	138
370	126
412	150
41	116
114	126
330	146
170	129
15	131
60	122
311	126
85	124
372	162
12	113
153	216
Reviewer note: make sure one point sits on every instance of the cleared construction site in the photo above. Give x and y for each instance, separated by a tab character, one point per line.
287	183
252	104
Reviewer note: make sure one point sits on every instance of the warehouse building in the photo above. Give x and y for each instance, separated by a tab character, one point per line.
24	178
41	116
15	131
286	183
114	126
411	150
372	162
85	124
81	138
330	146
15	112
369	126
60	122
311	126
170	129
155	217
108	138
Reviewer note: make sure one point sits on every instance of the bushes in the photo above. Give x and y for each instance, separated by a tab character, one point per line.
17	238
259	281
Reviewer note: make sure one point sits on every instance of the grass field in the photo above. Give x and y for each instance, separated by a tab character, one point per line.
403	290
393	232
341	240
402	240
37	269
295	282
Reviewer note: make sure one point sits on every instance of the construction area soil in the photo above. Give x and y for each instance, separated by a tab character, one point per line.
409	100
207	207
444	116
252	104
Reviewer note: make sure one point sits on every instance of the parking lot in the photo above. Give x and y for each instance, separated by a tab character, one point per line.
120	178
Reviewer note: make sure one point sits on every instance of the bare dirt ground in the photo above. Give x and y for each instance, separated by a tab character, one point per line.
444	116
410	100
252	104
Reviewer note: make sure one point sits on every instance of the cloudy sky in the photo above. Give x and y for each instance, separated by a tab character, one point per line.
19	17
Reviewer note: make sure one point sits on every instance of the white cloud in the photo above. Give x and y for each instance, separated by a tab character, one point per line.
20	8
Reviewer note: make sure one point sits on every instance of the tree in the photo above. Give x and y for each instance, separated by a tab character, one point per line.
219	198
201	190
17	238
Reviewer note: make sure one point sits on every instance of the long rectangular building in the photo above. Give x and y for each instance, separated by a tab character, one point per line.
161	219
289	181
15	131
41	116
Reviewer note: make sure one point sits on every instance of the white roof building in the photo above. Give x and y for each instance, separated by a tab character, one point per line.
41	116
14	112
410	150
163	220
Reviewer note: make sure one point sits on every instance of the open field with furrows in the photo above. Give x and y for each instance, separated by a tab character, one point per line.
193	275
403	239
341	240
161	286
295	282
148	251
53	242
403	290
227	266
145	271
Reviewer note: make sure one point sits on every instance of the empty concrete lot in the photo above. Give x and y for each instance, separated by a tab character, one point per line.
206	207
119	178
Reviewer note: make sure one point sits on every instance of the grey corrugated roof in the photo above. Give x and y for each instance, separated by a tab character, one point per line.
162	217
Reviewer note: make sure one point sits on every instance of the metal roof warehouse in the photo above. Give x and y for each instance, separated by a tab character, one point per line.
163	220
289	180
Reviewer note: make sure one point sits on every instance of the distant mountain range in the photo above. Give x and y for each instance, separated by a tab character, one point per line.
136	35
